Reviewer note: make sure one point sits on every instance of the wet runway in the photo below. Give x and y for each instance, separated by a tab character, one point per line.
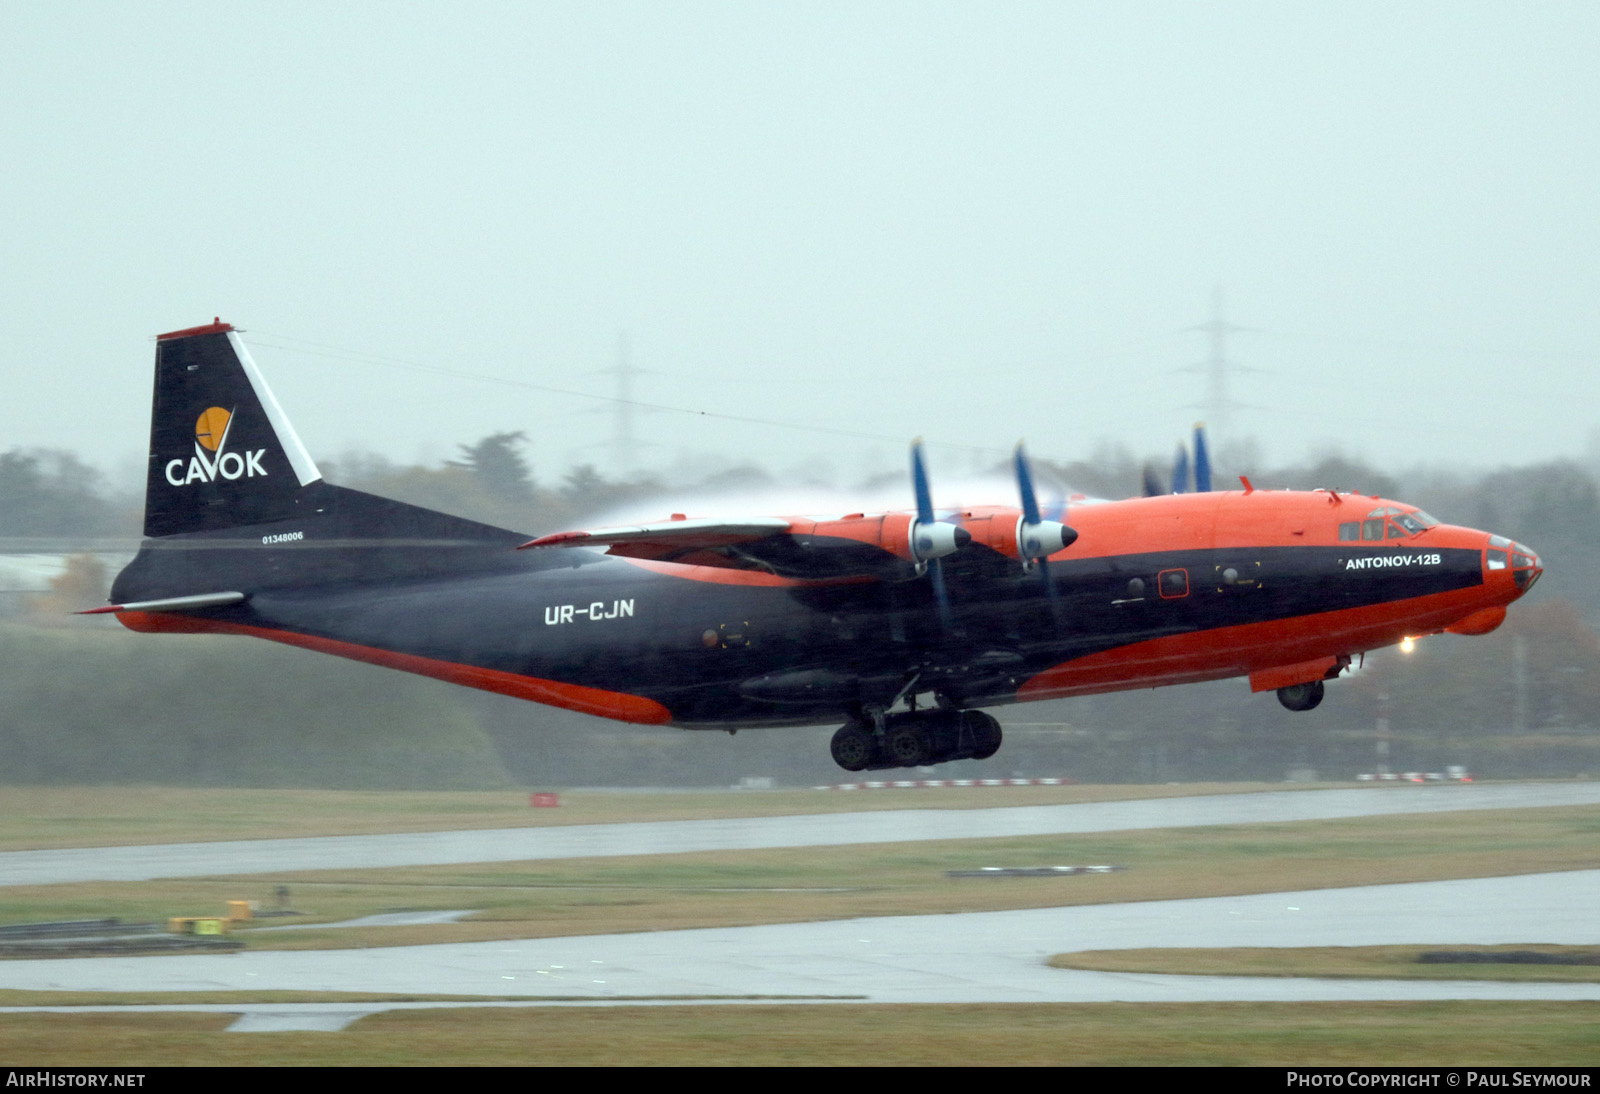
143	863
976	958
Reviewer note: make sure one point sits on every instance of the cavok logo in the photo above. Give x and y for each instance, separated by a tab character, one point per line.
211	436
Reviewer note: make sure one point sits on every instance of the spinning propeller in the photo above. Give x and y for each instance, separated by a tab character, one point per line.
1037	538
1181	482
931	539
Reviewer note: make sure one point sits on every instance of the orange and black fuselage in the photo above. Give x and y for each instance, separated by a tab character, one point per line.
777	621
1155	591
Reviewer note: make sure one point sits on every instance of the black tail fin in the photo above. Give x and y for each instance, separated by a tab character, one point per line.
222	453
235	503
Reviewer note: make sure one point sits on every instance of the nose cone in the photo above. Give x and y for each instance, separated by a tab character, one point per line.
1525	567
1520	559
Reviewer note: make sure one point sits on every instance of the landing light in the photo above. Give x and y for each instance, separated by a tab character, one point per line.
1407	645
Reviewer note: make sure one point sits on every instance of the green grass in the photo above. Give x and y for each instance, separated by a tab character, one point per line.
1435	1034
733	888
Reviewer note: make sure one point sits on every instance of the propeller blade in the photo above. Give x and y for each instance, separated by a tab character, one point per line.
941	595
1152	486
1030	503
1037	538
919	483
930	539
1202	460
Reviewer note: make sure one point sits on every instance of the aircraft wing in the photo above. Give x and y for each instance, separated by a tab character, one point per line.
674	535
853	547
697	542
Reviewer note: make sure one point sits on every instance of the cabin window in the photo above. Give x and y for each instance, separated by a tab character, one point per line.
1238	576
728	636
1350	530
1173	584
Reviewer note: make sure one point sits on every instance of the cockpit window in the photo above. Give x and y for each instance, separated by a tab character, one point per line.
1401	523
1387	522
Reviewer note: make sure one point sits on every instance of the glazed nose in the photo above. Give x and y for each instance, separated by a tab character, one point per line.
1525	568
1522	560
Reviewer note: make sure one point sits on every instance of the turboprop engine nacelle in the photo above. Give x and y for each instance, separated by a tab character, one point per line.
1042	539
935	539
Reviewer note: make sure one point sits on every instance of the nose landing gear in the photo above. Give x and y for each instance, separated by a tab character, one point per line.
915	739
1301	696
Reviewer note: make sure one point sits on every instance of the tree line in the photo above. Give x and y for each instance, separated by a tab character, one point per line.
85	702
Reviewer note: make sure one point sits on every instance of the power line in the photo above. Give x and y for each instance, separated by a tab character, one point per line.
319	349
1425	347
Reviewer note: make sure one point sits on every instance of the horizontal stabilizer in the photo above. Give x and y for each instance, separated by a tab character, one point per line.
171	604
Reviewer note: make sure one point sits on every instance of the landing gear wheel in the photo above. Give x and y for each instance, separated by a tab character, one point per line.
1301	696
852	747
908	746
984	733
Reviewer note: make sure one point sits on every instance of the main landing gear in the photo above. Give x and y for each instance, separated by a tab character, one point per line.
915	739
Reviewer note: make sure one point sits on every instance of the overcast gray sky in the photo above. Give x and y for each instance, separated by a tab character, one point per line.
970	221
